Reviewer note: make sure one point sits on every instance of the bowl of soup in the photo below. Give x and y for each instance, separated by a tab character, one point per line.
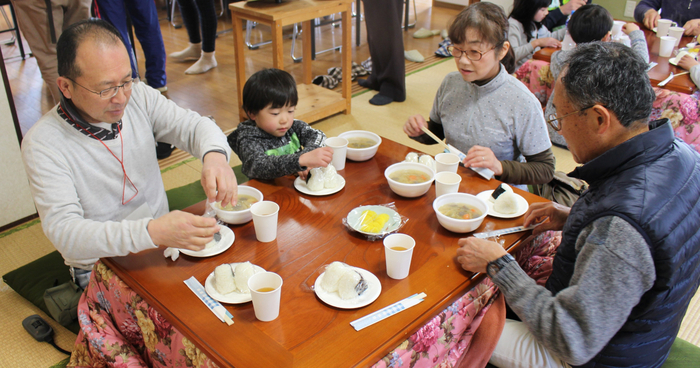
409	179
362	145
460	212
240	213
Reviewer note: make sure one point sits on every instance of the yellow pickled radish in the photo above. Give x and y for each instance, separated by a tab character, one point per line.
367	217
377	224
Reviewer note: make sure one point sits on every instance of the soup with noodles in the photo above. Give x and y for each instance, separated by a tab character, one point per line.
360	142
409	176
460	211
244	203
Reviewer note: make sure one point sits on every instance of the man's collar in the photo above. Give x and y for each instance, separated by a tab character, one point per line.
67	110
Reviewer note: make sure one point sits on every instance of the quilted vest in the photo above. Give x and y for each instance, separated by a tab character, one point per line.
653	182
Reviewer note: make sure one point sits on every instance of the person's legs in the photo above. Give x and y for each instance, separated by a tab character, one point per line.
114	12
518	348
190	19
144	17
385	39
207	15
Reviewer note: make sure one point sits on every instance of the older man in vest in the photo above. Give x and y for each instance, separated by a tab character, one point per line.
629	259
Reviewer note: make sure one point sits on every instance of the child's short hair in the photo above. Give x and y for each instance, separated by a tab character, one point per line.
269	86
590	23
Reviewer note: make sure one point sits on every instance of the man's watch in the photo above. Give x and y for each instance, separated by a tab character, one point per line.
497	265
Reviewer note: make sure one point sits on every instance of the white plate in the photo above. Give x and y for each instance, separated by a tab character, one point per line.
522	205
227	238
353	219
374	288
230	298
300	185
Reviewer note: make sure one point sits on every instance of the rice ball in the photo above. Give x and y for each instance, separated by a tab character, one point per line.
506	203
243	272
224	282
332	276
315	182
411	157
330	177
347	283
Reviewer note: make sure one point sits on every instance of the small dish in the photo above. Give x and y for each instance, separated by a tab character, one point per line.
374	288
300	185
522	205
230	298
392	225
227	238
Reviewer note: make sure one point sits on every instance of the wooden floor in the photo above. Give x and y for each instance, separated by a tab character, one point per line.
214	93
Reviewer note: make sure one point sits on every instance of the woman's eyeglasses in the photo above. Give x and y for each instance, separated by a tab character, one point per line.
473	55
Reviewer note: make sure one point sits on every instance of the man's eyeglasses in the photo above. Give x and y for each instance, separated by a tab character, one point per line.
555	122
473	55
108	93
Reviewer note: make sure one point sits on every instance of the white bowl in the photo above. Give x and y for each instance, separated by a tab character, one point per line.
238	217
457	225
361	154
409	190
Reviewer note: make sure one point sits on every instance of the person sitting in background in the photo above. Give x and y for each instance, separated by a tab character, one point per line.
590	23
272	143
484	111
627	266
559	14
526	33
91	161
684	13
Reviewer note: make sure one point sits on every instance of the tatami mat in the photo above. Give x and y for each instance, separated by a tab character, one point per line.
20	247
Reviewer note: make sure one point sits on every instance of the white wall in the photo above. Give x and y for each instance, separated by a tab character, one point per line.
507	5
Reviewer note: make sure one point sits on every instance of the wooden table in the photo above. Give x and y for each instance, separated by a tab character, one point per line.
658	73
309	333
315	102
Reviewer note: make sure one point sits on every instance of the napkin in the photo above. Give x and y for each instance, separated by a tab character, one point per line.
171	253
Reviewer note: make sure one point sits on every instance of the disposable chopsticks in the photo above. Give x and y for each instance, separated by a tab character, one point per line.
215	307
387	311
484	172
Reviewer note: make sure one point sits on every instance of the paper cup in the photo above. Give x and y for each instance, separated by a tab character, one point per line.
446	162
662	27
617	28
398	250
677	33
446	182
340	148
666	46
265	220
265	290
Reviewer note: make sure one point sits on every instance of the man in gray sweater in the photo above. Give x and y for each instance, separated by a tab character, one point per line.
627	264
91	160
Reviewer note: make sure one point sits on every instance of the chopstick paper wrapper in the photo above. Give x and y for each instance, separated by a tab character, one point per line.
388	311
484	172
216	307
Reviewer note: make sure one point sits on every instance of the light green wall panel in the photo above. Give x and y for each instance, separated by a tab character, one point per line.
616	8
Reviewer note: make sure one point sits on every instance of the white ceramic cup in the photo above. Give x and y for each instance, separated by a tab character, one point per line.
662	27
340	149
266	303
398	250
617	28
446	162
666	46
677	33
265	215
446	182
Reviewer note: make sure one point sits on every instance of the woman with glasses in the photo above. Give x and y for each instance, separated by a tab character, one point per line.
526	33
484	111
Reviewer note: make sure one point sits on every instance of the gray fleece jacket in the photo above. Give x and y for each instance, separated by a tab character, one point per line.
265	156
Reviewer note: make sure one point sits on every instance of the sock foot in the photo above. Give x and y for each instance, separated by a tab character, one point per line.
204	64
192	52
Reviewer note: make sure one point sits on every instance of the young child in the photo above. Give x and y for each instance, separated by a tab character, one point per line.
484	111
272	144
526	33
590	23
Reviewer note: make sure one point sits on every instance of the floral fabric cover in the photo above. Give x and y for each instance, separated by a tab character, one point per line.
682	109
119	329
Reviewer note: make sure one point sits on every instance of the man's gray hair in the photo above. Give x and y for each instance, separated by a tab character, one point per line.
609	74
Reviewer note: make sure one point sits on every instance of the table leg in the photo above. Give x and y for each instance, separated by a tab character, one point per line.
238	46
277	46
347	56
307	46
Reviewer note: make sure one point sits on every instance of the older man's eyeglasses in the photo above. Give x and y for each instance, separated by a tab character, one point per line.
555	122
473	55
108	93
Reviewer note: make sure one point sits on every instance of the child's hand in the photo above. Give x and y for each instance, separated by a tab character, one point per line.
629	28
546	42
687	62
412	128
304	174
320	157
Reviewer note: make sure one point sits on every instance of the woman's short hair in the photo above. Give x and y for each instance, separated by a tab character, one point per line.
590	23
269	87
487	19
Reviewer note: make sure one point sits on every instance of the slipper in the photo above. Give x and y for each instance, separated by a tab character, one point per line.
423	33
367	64
435	32
414	55
444	48
325	81
444	34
